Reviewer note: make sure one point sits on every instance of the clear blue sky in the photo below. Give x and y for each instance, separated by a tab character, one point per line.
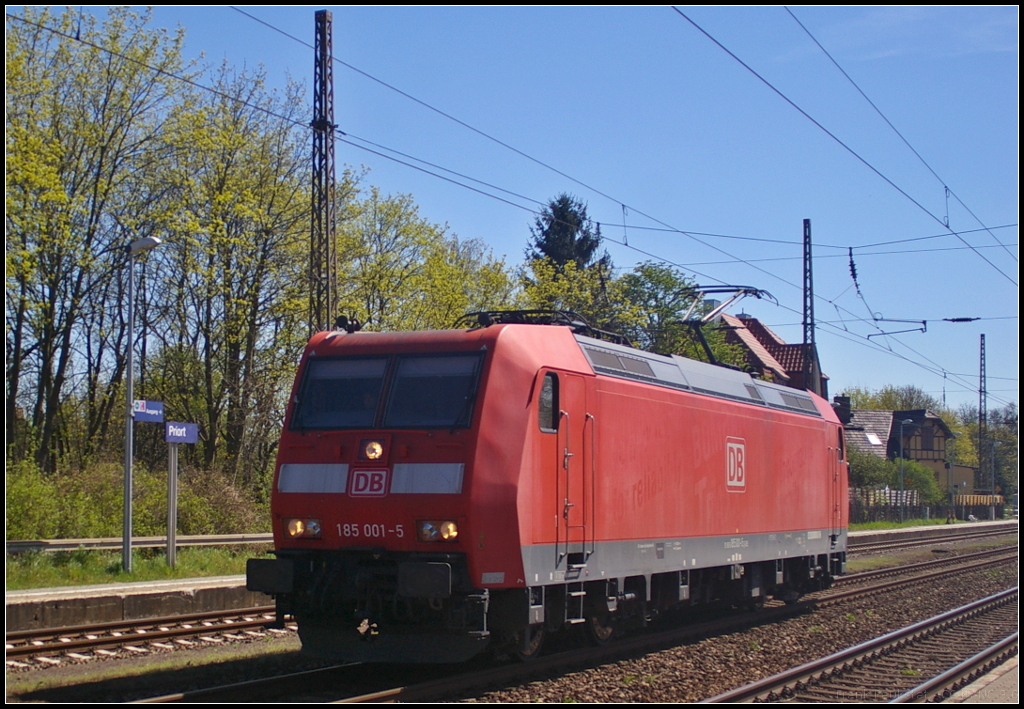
648	112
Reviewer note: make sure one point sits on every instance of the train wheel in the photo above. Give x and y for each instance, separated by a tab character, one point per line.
527	642
600	628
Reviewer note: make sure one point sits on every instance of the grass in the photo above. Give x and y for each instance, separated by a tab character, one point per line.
87	567
869	526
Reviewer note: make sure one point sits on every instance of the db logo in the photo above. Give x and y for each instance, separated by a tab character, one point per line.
368	483
735	465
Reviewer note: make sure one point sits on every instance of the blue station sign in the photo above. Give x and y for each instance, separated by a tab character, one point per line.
150	411
175	432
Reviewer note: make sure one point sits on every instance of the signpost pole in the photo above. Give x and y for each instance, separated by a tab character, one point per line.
172	503
175	433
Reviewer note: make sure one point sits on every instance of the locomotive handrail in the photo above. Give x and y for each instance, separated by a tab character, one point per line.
565	498
565	464
593	488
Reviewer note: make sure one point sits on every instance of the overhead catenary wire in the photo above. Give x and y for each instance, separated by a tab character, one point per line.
906	142
624	243
826	257
304	126
794	242
537	161
859	339
834	137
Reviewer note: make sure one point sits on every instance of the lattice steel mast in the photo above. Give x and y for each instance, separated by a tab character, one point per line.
812	369
323	279
983	449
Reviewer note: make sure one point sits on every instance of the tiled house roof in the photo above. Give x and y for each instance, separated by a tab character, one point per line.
868	432
789	356
758	355
762	332
767	353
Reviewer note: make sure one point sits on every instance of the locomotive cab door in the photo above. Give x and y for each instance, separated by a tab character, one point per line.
573	478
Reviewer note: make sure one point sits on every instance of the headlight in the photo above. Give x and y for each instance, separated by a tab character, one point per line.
306	528
433	530
371	449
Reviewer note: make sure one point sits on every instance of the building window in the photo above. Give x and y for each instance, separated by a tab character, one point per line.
927	438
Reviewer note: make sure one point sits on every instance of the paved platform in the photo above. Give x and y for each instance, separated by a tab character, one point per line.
1000	686
80	605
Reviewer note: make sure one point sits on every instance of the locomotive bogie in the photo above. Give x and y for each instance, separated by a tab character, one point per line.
438	493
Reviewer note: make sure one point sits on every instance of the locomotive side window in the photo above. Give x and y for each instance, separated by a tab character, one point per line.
433	392
340	393
548	405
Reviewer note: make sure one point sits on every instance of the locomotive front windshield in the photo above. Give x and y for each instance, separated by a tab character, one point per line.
340	393
418	391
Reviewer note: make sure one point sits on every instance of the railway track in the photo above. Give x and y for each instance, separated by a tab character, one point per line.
995	555
928	660
855	548
81	643
447	682
136	636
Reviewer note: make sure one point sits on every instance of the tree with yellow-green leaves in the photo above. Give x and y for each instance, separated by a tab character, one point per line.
397	271
82	130
105	145
592	293
236	223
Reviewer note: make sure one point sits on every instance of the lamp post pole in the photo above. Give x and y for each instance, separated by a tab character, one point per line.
136	247
903	491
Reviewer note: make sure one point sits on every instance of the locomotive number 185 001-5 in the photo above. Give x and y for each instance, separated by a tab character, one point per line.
372	531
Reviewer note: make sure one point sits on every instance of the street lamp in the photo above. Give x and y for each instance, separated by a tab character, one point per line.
134	249
902	490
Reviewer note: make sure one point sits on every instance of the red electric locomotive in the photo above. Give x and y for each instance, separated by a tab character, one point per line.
440	492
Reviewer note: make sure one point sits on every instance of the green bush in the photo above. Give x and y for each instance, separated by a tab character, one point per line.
868	471
209	504
33	509
90	503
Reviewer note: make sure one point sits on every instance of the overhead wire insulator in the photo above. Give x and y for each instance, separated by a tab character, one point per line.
853	272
